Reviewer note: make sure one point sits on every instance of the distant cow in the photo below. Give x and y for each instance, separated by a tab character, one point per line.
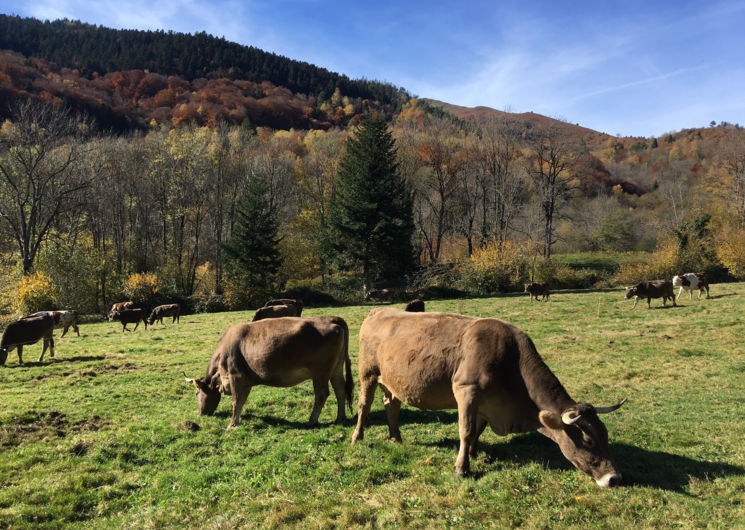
167	310
62	320
27	331
415	306
489	371
129	316
536	288
690	281
275	311
384	295
287	301
654	289
118	307
280	353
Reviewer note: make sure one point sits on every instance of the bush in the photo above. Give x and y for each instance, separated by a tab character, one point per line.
730	250
142	288
35	293
493	269
212	303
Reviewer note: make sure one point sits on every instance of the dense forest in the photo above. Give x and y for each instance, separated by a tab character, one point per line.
124	174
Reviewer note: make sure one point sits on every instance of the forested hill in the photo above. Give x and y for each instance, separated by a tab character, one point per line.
95	51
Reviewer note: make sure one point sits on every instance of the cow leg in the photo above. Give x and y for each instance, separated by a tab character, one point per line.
392	408
636	301
51	346
367	394
44	349
136	324
481	424
20	353
124	327
321	391
239	394
467	426
337	383
77	330
64	331
649	303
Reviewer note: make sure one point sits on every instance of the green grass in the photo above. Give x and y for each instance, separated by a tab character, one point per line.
104	435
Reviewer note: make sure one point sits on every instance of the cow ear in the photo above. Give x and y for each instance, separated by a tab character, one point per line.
550	420
201	385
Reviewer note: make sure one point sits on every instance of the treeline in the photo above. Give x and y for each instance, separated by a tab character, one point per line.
491	205
96	50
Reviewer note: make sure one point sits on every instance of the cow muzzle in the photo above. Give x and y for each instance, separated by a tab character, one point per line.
609	480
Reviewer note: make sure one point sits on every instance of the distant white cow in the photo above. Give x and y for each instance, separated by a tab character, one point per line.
689	282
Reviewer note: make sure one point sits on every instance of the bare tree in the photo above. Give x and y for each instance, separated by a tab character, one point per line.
732	160
38	182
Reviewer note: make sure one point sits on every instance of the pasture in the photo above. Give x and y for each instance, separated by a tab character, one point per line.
107	434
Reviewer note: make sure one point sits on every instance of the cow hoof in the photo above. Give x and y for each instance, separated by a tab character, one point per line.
462	473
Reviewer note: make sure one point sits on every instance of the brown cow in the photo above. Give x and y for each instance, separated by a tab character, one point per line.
654	289
287	301
167	310
280	353
27	331
62	320
130	316
489	370
385	295
118	307
536	288
415	306
275	311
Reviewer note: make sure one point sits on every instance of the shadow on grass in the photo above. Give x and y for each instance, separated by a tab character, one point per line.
639	467
57	360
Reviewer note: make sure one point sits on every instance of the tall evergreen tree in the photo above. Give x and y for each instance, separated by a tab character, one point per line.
370	217
252	255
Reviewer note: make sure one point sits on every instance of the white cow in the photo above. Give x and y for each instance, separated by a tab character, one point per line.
689	282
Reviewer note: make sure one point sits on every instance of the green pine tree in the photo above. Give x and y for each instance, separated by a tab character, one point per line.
252	256
370	217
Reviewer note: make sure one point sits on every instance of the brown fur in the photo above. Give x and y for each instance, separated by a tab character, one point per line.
130	316
487	369
167	310
28	331
281	353
287	301
118	307
415	306
275	311
536	288
653	289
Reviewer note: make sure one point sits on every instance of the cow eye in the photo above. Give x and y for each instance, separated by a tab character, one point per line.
589	442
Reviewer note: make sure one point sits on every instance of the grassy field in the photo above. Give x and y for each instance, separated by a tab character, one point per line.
107	434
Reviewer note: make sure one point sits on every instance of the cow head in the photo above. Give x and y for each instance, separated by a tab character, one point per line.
630	292
583	440
527	285
3	355
208	395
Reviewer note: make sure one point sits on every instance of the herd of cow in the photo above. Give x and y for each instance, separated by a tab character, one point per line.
487	369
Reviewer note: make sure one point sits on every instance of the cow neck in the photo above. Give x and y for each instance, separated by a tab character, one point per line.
543	386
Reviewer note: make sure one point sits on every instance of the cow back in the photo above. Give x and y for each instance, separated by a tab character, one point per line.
27	331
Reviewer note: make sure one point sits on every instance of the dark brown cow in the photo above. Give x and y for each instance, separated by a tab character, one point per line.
489	370
27	331
536	288
130	316
385	295
275	311
167	310
654	289
62	320
415	306
287	301
281	353
118	307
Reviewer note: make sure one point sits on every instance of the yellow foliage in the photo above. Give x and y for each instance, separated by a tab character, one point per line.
141	287
730	250
35	293
494	268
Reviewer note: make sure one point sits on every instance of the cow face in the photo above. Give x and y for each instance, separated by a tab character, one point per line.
207	397
583	440
3	356
630	292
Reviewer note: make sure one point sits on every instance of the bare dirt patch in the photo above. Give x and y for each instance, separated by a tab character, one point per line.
33	426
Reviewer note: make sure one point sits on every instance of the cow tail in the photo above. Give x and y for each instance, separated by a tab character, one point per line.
349	382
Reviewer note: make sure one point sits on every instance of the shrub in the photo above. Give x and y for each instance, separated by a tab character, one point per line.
495	269
211	303
730	250
35	293
141	288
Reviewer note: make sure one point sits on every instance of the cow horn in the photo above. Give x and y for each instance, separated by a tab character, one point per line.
570	417
606	410
188	380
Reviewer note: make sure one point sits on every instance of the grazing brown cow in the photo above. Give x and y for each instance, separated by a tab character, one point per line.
385	295
27	330
689	282
654	289
536	288
487	369
275	311
415	306
287	301
130	316
167	310
62	320
281	353
118	307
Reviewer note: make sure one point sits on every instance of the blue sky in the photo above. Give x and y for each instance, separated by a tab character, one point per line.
635	68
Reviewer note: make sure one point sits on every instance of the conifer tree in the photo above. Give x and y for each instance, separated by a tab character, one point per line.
252	254
370	219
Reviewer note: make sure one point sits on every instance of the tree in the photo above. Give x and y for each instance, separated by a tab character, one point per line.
370	216
252	253
38	153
